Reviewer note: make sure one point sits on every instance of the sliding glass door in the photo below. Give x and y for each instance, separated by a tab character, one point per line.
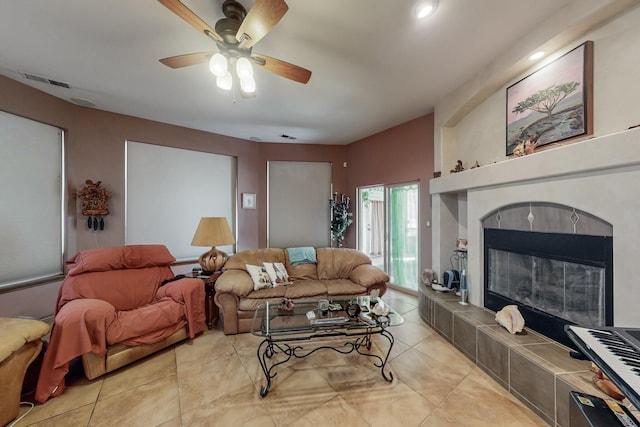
371	233
402	259
388	230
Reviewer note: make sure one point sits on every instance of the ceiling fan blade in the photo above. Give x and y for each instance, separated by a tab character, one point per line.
282	68
186	60
261	18
177	7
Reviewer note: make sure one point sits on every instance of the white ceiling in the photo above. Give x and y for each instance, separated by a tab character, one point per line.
374	65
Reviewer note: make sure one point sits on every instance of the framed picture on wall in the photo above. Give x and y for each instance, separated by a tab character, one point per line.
552	104
248	201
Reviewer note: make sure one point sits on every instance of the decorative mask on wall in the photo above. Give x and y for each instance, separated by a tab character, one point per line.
95	204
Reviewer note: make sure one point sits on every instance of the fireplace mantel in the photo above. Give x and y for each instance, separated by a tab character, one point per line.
617	150
599	176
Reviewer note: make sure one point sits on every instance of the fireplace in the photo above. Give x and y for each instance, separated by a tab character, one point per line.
554	278
597	178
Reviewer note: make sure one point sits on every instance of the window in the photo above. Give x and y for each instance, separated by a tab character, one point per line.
169	189
31	212
298	211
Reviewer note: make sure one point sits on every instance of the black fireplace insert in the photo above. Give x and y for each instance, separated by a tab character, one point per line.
554	278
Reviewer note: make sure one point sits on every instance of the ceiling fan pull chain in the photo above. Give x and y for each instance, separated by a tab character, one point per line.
233	91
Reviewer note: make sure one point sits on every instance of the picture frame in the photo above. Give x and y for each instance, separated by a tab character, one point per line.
248	201
552	104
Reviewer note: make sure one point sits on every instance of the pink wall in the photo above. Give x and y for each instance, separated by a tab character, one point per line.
95	150
400	154
99	140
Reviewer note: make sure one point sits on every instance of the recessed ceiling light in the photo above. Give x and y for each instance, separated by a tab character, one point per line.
426	8
536	55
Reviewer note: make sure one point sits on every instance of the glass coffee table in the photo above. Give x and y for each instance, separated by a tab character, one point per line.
346	326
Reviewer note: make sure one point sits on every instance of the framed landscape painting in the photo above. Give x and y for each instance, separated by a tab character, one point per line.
554	103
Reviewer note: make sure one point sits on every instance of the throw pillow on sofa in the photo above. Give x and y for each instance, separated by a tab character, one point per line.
277	273
259	276
302	255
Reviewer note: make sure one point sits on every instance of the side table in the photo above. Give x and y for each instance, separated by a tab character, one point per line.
210	308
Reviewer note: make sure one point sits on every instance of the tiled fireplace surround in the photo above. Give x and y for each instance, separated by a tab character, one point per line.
532	367
599	176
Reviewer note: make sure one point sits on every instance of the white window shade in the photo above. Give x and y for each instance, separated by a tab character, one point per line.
31	227
169	189
299	194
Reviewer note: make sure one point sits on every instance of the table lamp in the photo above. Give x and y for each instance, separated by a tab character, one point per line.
213	231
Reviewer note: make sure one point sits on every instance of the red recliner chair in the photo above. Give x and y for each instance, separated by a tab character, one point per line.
114	309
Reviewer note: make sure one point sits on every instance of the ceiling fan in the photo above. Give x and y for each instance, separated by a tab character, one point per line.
235	35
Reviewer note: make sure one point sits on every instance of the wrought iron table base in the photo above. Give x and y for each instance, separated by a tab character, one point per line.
270	347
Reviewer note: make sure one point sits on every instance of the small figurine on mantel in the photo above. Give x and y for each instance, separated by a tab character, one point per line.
519	150
524	148
458	167
475	165
529	147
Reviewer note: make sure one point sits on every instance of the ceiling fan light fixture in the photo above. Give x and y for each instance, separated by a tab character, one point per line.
218	65
224	81
244	68
235	35
248	85
426	8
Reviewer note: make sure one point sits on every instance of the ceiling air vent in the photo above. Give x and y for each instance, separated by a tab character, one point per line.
36	78
288	137
57	83
45	80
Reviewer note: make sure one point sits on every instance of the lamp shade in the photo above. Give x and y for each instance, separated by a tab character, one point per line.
225	81
218	64
213	231
248	85
244	68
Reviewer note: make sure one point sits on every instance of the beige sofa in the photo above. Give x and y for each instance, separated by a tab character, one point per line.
338	272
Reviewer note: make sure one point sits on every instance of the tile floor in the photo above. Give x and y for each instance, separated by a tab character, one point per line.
214	380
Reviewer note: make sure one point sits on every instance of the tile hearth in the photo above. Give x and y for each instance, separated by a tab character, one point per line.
535	369
214	380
